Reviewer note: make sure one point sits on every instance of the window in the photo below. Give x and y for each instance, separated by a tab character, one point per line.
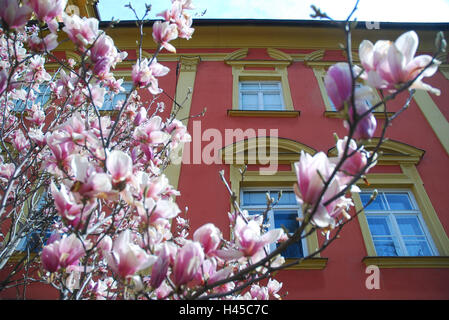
284	213
41	96
261	95
110	103
396	225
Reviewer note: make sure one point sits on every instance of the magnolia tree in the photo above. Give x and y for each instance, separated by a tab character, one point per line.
87	190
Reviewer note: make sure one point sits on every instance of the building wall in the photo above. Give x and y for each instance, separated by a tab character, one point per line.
343	275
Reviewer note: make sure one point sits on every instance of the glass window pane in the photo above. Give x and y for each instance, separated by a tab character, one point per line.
249	86
409	225
286	219
378	226
254	198
417	248
270	86
287	198
249	101
293	251
399	201
385	248
272	99
376	205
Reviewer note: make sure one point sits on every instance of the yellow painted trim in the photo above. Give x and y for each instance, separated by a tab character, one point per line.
264	113
278	54
434	117
309	264
237	54
391	152
407	262
287	150
186	83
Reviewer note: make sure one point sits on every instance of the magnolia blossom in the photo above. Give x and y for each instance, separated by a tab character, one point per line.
187	263
388	64
249	240
367	124
160	267
144	75
163	32
310	171
126	258
150	132
62	253
81	32
209	236
119	164
48	43
90	182
327	213
3	80
356	161
46	10
13	15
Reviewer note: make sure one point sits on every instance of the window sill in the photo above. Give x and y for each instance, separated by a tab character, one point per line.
308	264
340	115
264	113
408	262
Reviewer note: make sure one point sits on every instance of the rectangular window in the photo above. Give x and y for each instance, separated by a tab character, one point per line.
284	213
396	225
261	95
111	100
40	96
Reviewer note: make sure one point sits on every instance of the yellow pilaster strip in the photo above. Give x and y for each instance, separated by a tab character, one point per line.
184	92
434	116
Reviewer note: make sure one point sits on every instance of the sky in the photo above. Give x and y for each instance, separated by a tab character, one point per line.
368	10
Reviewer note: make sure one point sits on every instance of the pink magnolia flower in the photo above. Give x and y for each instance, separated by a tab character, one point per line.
40	45
160	267
367	125
156	212
273	287
46	10
89	182
150	132
81	32
356	161
3	80
326	215
120	166
126	258
209	236
249	239
62	253
13	15
395	63
144	75
163	32
187	262
310	172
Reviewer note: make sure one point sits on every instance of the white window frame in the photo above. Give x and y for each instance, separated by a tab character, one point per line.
270	216
397	237
260	92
